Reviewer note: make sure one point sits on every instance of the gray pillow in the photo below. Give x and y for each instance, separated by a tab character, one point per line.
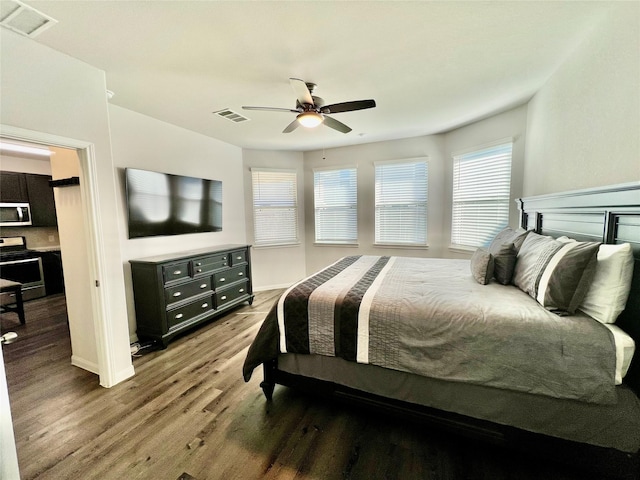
482	266
556	274
504	262
508	235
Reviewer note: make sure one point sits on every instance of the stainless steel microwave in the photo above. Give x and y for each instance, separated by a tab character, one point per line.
14	214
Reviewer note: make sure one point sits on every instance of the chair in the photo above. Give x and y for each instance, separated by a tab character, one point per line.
17	306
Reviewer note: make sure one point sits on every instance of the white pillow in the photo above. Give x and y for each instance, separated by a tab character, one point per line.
609	290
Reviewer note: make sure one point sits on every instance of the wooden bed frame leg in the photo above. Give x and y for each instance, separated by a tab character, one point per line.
268	384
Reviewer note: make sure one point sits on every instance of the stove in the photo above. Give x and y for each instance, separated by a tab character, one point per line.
15	248
20	264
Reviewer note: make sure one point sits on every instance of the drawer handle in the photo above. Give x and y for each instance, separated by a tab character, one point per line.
177	294
224	297
177	272
238	258
241	290
179	316
204	305
204	285
198	270
240	274
198	264
222	279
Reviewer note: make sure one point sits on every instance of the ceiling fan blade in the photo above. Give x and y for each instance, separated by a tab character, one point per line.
348	106
291	127
272	109
336	125
302	92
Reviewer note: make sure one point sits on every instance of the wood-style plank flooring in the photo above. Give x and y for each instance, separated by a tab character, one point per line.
187	414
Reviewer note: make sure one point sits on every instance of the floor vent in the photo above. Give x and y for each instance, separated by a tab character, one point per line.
231	115
24	19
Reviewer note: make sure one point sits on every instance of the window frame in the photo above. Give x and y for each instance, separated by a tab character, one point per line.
379	205
353	205
283	240
503	199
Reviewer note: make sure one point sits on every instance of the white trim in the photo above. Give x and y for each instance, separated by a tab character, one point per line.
336	244
279	170
347	166
85	365
95	245
411	246
402	160
483	146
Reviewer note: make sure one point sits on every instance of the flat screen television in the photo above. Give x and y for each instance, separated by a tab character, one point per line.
167	204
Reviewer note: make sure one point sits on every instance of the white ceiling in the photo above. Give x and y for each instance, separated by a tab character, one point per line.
430	66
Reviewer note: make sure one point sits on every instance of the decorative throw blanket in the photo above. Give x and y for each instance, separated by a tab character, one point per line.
429	317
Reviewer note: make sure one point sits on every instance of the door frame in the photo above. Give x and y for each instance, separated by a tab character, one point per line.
95	244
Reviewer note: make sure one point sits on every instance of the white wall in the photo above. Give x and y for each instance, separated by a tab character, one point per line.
364	156
73	249
438	150
511	124
275	267
45	91
143	142
584	124
39	166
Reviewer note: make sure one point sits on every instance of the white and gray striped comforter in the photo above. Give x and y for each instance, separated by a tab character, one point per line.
429	317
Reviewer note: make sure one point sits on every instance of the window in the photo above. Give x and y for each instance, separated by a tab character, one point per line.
401	203
481	195
336	205
275	206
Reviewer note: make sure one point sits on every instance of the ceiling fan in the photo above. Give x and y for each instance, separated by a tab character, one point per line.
312	111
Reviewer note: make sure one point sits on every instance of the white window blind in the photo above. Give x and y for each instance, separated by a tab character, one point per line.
336	205
275	206
401	203
481	186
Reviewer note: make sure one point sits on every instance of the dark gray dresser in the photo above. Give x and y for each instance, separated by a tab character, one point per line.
176	292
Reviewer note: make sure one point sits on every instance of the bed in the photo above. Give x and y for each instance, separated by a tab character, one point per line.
549	291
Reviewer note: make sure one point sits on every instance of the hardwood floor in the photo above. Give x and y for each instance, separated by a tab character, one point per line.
187	414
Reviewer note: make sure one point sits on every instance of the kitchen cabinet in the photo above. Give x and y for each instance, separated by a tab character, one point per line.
13	188
43	206
52	271
33	189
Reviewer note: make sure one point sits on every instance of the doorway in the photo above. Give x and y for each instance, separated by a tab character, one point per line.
53	227
107	338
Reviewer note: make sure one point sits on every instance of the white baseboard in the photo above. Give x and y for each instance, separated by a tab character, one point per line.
85	364
121	376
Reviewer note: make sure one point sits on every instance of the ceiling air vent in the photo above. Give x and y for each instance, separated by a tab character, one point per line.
231	115
24	19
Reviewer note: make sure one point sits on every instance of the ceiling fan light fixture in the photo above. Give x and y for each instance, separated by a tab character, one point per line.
310	119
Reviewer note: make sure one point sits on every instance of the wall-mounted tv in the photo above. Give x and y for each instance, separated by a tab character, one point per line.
166	204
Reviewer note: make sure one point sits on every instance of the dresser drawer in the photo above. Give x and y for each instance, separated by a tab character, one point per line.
186	290
221	279
175	271
208	264
184	313
239	256
230	294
